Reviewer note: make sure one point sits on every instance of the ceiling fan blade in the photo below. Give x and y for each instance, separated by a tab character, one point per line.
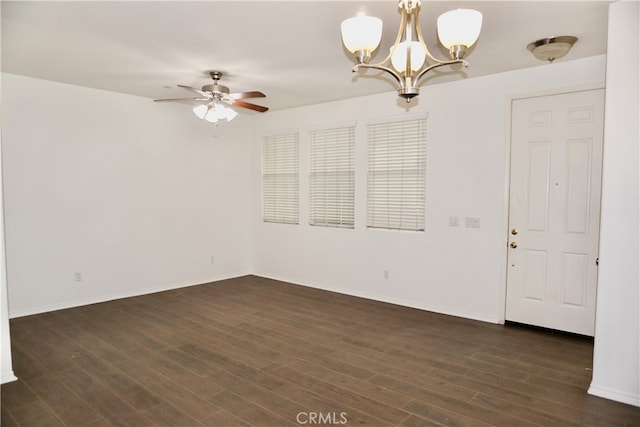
198	91
244	95
254	107
181	99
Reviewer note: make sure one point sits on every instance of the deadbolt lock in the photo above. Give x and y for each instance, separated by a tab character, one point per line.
513	245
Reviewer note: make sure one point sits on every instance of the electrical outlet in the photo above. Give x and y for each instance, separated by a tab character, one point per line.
212	259
454	221
77	276
385	273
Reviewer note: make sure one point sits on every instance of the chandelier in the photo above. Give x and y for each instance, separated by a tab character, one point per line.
407	60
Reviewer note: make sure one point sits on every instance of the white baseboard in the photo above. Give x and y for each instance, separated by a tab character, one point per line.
110	297
383	298
613	394
8	377
367	295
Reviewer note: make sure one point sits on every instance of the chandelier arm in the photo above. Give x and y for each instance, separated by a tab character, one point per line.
379	66
421	39
439	64
411	16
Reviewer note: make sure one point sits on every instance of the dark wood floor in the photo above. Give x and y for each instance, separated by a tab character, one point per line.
253	351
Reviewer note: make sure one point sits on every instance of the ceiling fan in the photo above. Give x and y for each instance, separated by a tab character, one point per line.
217	98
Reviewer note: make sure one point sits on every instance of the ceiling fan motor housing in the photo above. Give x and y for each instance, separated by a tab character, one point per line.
216	88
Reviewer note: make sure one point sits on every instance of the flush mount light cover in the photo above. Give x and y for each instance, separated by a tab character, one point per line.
551	48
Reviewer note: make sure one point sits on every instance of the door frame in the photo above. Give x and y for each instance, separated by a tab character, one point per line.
507	176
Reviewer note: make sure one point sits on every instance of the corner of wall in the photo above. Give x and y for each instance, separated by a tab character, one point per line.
616	361
6	367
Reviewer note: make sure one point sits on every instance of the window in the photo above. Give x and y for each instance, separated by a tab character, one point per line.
396	175
332	177
280	178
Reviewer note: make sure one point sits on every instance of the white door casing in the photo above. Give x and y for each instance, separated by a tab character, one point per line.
554	210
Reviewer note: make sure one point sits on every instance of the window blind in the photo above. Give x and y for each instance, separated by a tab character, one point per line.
332	177
280	165
396	175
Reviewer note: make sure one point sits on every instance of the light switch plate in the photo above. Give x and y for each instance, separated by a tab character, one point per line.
471	222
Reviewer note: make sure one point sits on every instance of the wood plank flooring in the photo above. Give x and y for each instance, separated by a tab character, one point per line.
257	352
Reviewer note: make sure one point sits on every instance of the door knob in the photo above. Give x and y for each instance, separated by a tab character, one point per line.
514	231
513	245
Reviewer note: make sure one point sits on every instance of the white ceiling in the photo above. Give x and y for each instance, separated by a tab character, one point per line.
290	50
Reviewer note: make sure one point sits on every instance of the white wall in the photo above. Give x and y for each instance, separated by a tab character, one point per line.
133	195
616	364
459	271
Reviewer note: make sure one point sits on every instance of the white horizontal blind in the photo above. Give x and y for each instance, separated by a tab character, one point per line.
280	165
332	177
396	175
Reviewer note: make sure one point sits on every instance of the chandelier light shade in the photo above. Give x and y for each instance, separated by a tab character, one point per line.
399	56
409	58
459	29
361	33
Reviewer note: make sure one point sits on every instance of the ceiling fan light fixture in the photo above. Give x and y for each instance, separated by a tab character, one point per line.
201	111
551	48
219	112
211	116
230	114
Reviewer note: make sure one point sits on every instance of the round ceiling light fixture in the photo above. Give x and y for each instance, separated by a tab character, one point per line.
551	48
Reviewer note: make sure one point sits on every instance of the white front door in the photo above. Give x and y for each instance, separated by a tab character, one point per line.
554	210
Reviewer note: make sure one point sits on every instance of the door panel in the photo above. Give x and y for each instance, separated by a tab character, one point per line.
578	188
535	262
538	191
554	210
574	279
